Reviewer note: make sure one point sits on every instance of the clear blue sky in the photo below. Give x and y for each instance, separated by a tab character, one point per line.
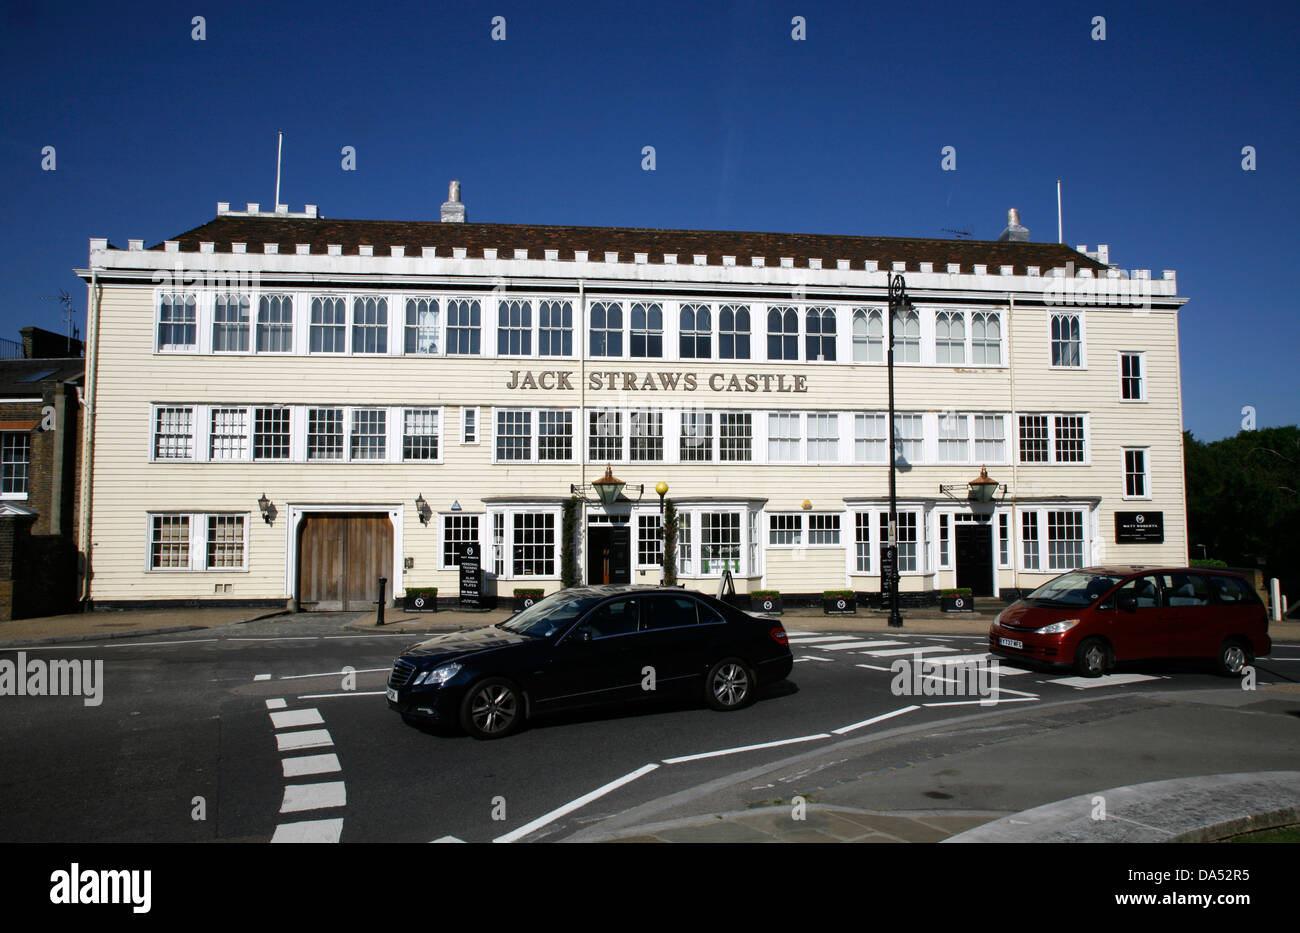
840	133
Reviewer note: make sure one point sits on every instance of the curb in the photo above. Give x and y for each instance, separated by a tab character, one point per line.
1175	810
137	633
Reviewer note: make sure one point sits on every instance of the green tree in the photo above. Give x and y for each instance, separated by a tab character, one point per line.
1243	501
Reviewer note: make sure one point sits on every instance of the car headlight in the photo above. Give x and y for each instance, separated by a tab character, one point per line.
997	619
1056	628
437	676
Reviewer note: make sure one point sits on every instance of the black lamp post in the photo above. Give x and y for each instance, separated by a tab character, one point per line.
898	304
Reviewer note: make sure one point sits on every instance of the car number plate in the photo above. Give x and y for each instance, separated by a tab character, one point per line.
392	695
1010	643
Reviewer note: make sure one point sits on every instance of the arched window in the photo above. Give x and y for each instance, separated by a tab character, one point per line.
907	337
950	338
868	335
733	332
606	328
695	332
782	334
820	333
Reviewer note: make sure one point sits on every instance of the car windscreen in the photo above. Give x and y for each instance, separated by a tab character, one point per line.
1077	588
551	615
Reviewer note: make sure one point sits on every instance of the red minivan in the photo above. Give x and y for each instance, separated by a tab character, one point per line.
1098	616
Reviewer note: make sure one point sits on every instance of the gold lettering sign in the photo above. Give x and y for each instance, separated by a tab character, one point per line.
619	380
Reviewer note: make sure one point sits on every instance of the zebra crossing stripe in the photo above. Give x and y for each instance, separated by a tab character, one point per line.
320	796
308	738
920	649
309	831
797	639
858	644
1106	680
310	764
288	719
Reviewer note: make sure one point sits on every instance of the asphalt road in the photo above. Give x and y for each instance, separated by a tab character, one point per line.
192	743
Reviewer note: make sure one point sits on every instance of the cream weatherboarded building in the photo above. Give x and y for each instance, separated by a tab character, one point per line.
284	407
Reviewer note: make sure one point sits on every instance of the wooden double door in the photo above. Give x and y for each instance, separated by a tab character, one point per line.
341	557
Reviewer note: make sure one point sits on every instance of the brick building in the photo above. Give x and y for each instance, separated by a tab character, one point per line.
40	460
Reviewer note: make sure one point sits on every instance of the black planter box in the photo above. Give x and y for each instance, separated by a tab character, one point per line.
957	604
420	603
522	602
840	606
768	604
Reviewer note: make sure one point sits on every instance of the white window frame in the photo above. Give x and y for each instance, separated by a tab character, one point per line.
197	542
1083	341
468	439
25	462
1141	356
509	516
534	437
158	346
1146	472
441	416
442	535
1051	439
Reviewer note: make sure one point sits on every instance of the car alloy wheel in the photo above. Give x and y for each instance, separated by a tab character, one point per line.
729	685
1092	657
491	709
1233	658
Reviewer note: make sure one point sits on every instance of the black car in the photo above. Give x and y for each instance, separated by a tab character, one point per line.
586	646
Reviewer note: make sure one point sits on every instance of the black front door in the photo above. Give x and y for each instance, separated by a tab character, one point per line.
975	558
609	554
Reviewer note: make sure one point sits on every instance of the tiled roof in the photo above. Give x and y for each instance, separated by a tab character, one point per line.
626	241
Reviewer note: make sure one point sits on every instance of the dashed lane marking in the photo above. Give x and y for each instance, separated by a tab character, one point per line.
288	719
869	644
309	738
809	657
257	677
310	764
349	693
276	704
309	831
322	796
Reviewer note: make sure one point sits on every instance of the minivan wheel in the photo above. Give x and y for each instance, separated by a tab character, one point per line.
1234	657
1092	657
729	685
492	709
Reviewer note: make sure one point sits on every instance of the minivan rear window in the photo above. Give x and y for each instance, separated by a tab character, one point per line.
1231	590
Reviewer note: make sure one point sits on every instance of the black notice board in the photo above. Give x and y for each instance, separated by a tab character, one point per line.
1139	527
888	575
471	576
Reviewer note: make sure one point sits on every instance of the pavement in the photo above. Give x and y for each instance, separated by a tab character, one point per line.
1203	807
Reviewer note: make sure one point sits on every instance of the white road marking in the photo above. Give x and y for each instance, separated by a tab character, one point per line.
290	718
962	658
995	702
895	652
809	657
746	748
309	738
310	764
276	704
809	639
309	831
872	667
1106	680
448	839
348	693
868	644
369	670
873	720
575	804
257	677
322	796
115	643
